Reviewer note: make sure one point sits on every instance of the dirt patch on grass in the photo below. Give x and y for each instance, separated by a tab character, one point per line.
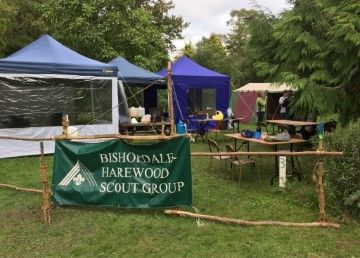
17	216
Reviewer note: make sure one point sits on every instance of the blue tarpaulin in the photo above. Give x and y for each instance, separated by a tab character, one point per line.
47	56
133	74
186	75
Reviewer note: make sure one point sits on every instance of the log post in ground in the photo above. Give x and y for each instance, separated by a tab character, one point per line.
46	206
170	99
65	125
320	172
321	224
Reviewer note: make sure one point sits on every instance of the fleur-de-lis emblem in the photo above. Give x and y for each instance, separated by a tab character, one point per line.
78	179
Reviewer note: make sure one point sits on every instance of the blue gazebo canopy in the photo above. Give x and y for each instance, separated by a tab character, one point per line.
136	76
187	74
133	74
48	56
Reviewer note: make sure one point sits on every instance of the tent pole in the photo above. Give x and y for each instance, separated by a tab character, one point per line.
92	101
170	99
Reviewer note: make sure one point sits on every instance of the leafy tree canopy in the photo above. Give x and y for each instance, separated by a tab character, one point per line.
188	50
139	30
244	25
211	53
20	23
315	47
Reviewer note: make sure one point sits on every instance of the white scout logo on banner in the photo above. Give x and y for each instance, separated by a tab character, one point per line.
78	174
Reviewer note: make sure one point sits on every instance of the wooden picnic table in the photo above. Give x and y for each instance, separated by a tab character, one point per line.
291	122
274	145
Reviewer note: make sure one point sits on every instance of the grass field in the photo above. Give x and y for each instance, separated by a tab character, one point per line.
120	232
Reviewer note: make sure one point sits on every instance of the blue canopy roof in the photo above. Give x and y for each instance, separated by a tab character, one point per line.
131	73
186	67
186	74
47	56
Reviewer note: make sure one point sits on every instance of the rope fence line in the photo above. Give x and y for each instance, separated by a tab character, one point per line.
94	137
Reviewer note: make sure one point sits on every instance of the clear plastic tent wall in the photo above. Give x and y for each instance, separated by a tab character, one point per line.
33	105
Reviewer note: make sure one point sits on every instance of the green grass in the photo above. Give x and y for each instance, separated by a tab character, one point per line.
120	232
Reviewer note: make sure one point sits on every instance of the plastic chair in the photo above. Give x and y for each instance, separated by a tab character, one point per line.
236	161
214	147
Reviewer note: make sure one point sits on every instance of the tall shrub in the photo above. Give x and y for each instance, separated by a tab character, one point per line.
343	174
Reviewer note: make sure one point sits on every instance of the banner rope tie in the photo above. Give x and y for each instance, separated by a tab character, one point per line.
199	223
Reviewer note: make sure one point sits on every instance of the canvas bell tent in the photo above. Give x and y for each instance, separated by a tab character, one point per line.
43	81
134	76
197	88
243	100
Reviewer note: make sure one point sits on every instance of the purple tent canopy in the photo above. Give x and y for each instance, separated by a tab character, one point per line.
187	74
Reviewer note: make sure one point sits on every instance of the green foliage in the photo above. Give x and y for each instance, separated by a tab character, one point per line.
211	53
140	31
20	24
188	50
353	199
343	174
241	42
315	47
237	53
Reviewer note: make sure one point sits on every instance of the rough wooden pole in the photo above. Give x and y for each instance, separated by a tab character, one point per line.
170	99
250	223
46	206
65	124
29	190
320	172
318	153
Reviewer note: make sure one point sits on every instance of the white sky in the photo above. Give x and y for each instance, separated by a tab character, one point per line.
208	16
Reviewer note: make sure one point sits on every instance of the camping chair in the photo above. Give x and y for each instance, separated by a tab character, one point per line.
236	161
214	147
188	129
220	125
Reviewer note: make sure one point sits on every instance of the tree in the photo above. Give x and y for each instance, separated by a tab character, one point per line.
139	30
188	50
343	55
245	25
20	24
315	48
171	25
211	53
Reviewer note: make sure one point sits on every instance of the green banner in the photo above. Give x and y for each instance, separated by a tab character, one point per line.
118	174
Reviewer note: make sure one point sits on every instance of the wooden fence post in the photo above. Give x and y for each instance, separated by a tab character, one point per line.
319	180
46	206
65	125
170	99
